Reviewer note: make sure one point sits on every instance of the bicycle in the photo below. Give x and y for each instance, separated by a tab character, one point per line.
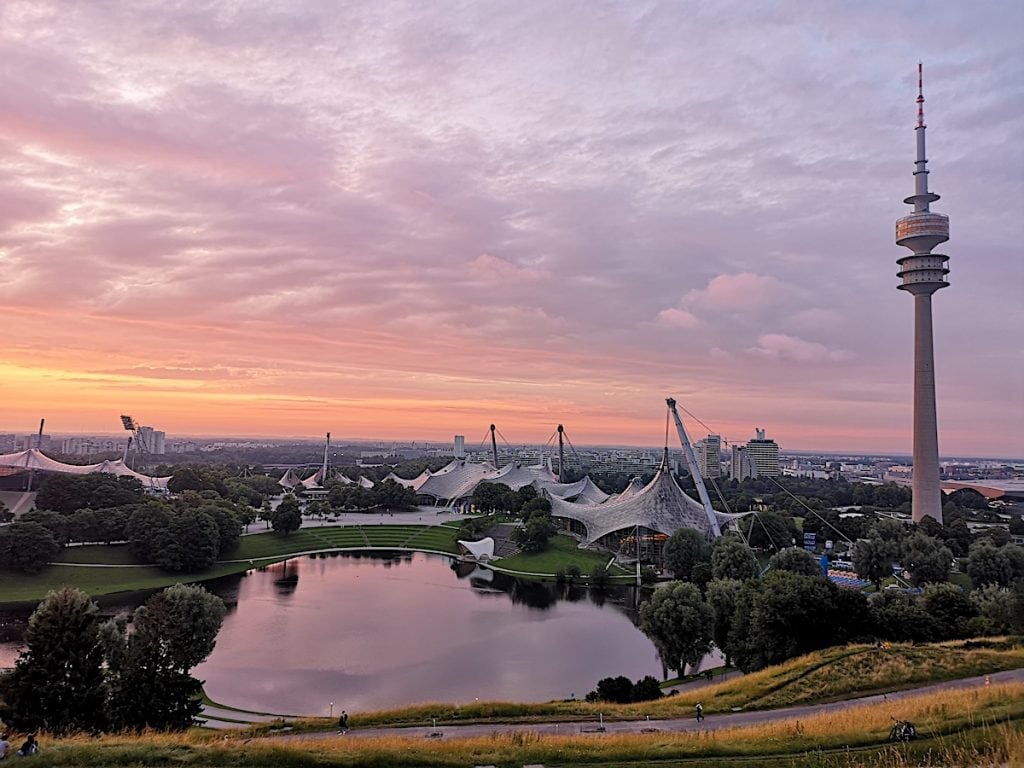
902	730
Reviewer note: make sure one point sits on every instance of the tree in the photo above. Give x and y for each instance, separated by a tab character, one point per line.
951	610
732	559
897	615
647	689
618	690
537	505
494	497
795	560
873	559
769	530
534	534
987	564
721	598
191	543
678	621
229	527
57	683
926	559
27	547
54	522
5	514
683	550
999	612
785	615
149	668
146	530
288	515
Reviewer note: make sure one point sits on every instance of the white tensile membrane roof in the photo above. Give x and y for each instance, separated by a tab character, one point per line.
479	550
33	458
459	478
659	506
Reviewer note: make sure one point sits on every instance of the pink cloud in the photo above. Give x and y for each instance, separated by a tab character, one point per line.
779	346
677	318
498	269
742	291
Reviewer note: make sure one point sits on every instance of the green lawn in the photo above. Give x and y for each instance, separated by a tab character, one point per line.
262	548
107	554
562	552
19	588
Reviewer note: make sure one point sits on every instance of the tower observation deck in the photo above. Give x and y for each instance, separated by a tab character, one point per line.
922	274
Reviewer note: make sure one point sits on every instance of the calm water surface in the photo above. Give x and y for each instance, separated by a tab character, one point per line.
369	632
372	631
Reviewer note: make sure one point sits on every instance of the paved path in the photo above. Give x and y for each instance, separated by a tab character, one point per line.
711	722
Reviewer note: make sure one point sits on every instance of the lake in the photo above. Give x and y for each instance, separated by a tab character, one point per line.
370	631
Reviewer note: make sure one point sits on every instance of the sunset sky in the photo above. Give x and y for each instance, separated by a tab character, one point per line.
412	219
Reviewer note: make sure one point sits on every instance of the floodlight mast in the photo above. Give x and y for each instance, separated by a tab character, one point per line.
691	462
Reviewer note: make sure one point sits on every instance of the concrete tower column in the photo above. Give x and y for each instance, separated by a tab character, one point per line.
927	492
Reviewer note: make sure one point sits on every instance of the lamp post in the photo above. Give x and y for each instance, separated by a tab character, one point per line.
332	709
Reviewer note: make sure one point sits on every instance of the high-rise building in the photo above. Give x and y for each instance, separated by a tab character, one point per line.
709	454
153	440
764	455
460	447
741	466
923	273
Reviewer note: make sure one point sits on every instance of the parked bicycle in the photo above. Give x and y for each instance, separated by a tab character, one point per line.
902	730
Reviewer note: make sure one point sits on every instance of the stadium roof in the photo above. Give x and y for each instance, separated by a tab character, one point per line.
660	506
35	459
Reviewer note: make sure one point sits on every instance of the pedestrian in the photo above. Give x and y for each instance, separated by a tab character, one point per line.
343	722
30	747
700	712
5	745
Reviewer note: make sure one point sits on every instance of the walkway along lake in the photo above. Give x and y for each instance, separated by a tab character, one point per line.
370	631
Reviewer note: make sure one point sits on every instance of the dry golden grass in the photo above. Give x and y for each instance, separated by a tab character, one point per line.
972	727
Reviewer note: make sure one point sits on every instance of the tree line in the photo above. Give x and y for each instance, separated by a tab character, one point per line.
721	600
80	672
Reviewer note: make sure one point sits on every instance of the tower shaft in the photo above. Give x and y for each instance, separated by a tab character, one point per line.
927	499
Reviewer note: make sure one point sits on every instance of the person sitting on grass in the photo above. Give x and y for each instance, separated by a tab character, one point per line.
5	746
30	747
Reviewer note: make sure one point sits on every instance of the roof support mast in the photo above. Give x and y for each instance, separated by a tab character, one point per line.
691	462
494	446
561	454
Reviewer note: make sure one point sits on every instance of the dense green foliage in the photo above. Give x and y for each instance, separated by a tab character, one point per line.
678	621
148	669
57	683
684	550
288	515
621	690
80	674
27	547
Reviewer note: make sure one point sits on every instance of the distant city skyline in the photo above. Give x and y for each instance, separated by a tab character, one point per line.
404	219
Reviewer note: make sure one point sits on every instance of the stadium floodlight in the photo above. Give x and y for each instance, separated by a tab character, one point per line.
129	423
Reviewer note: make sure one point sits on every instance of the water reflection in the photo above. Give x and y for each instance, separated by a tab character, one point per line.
374	630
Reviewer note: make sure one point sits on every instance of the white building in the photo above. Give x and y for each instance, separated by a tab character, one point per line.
764	455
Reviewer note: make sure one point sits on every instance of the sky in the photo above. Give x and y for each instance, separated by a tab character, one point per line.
405	220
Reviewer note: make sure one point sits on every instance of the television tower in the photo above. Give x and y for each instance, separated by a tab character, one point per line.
923	273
